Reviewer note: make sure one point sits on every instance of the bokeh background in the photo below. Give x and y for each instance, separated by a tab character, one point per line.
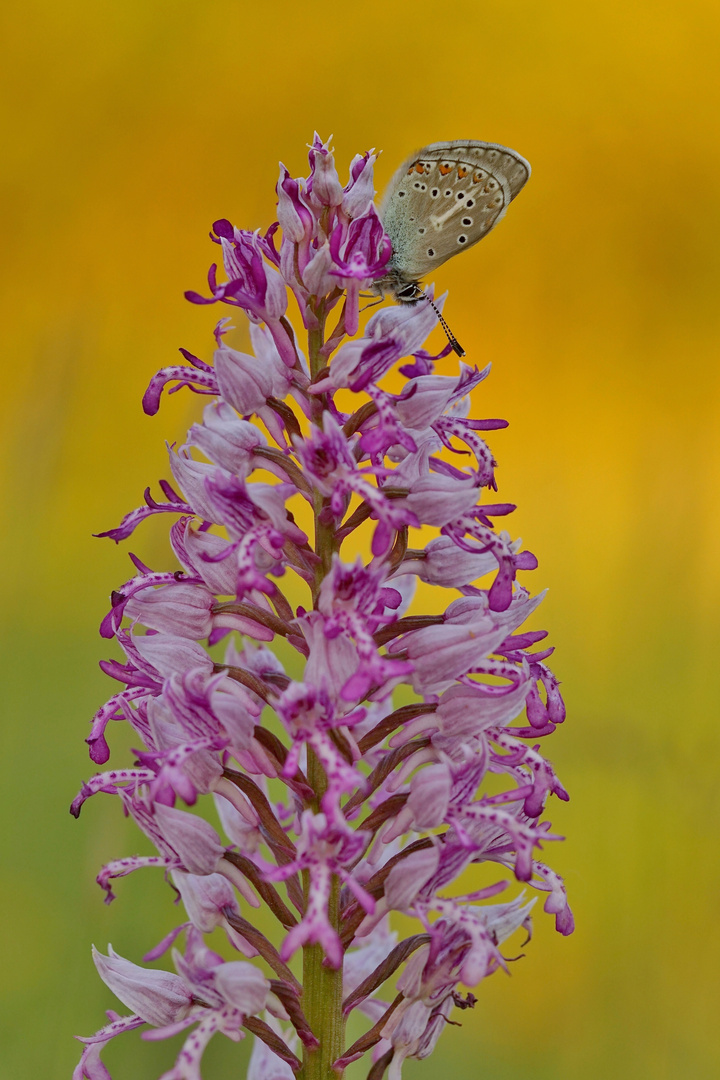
129	126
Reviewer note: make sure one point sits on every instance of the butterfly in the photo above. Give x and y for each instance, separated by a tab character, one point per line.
442	200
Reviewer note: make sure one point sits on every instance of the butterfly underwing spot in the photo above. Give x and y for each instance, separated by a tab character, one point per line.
434	193
421	167
467	221
462	239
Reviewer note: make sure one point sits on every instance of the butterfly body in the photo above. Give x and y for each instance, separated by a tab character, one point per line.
442	200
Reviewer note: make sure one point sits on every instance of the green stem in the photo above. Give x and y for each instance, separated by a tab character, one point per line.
316	340
325	540
322	986
325	544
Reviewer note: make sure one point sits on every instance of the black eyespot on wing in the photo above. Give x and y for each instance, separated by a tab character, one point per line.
421	231
467	221
462	239
461	194
434	193
430	253
469	203
400	194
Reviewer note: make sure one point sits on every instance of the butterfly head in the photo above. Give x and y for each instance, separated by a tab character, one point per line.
395	286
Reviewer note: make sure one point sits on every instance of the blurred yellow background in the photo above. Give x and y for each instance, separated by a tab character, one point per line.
129	126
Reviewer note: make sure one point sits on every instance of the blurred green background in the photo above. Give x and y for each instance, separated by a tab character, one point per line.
129	126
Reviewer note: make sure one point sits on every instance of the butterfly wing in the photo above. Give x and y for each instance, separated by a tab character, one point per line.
445	198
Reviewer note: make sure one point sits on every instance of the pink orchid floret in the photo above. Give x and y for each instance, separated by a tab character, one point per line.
353	785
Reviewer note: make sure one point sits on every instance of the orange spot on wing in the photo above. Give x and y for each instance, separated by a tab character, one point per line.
420	168
462	173
445	169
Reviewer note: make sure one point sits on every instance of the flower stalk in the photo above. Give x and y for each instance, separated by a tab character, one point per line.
322	985
367	797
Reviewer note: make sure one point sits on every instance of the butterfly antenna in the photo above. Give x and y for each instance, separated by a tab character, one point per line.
456	346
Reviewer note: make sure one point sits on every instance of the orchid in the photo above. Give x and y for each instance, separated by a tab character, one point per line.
355	784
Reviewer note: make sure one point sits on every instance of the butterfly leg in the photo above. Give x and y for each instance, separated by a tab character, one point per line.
374	303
